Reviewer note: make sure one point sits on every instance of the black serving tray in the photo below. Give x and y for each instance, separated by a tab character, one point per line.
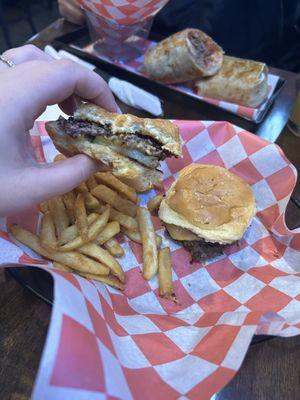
75	40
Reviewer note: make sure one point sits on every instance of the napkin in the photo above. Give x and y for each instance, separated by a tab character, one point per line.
106	344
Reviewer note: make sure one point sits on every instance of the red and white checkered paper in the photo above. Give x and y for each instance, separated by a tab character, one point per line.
136	66
104	344
124	12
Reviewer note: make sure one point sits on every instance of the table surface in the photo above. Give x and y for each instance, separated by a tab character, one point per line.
270	370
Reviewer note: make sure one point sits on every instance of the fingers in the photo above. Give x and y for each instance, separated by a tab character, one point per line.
32	185
23	54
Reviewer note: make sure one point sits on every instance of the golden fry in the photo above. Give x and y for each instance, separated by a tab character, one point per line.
72	259
136	236
81	217
91	183
154	203
71	232
165	274
150	261
43	207
107	178
62	267
114	248
69	202
91	202
104	257
59	157
124	220
82	188
111	230
47	232
59	214
108	280
93	230
109	196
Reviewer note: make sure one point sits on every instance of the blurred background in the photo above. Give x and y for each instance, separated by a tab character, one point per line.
21	19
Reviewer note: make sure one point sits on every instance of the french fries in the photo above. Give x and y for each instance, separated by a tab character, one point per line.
109	280
114	248
165	274
91	202
72	259
81	217
69	202
104	257
154	203
110	230
93	230
91	183
111	197
47	232
43	207
136	236
150	261
108	179
124	220
71	232
82	188
59	157
59	214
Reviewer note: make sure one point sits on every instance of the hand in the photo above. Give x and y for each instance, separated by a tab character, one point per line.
25	91
71	11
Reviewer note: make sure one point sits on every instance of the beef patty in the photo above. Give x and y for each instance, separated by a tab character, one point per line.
201	250
145	144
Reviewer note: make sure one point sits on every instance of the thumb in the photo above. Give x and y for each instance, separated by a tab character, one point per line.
62	176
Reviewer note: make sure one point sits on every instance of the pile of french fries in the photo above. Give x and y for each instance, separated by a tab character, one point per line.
77	232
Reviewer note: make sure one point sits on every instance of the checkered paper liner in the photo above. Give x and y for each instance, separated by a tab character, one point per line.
124	12
104	344
252	114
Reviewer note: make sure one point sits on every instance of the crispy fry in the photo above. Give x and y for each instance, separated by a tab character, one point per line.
69	202
93	230
111	230
136	236
114	248
59	214
109	196
43	207
81	217
72	259
154	203
71	232
165	274
124	220
62	267
150	261
91	202
47	232
82	188
108	280
107	178
91	183
59	157
104	257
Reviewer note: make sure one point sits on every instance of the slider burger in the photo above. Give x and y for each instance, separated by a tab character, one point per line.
207	208
131	146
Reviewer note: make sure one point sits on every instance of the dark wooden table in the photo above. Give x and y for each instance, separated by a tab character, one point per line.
271	369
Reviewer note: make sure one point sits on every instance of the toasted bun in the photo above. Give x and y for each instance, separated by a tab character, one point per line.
135	174
162	130
211	202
